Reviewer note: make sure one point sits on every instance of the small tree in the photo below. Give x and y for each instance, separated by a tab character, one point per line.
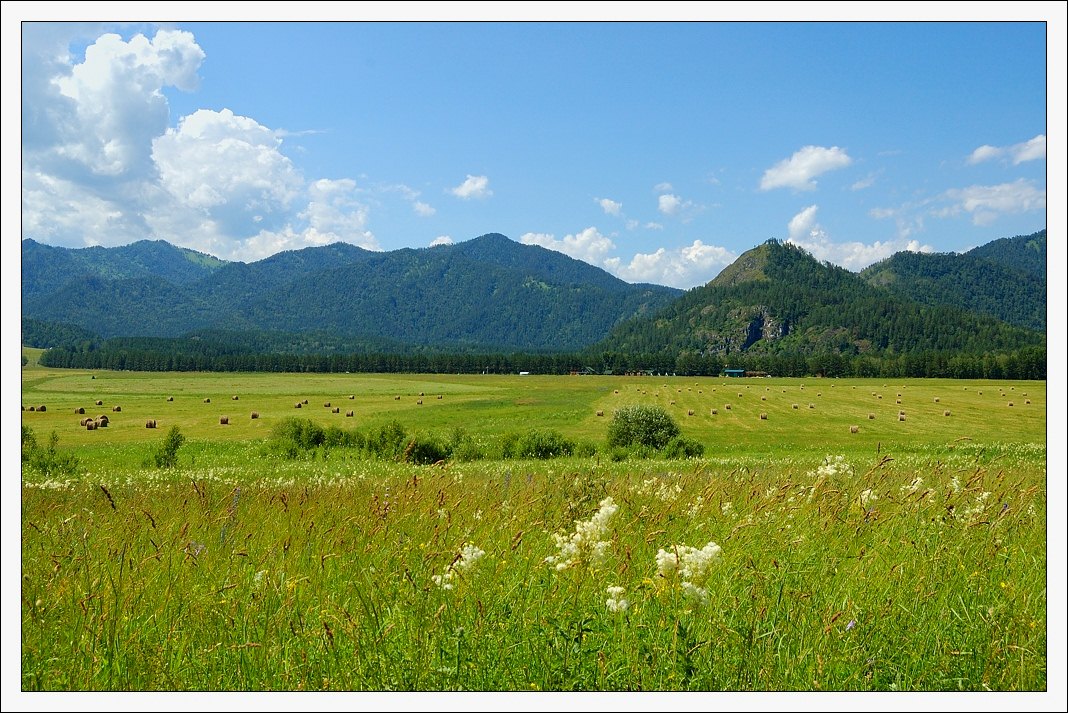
649	426
167	455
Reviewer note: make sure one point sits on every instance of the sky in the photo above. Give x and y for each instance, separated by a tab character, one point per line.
658	151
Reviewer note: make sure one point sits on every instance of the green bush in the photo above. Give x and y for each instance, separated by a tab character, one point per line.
302	433
47	461
680	448
387	441
425	450
167	455
543	444
465	447
649	426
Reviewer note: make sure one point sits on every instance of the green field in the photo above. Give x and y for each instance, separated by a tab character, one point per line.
908	555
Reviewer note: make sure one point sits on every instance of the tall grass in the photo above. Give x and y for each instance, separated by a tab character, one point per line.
921	571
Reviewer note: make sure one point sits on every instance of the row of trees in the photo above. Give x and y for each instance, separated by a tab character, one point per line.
1025	363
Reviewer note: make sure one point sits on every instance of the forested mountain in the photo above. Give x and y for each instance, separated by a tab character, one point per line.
45	268
489	293
1025	253
778	299
1005	279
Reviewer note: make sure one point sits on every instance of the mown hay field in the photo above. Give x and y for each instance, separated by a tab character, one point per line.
793	555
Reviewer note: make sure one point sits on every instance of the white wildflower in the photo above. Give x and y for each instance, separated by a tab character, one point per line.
587	544
834	466
616	602
867	497
688	568
469	555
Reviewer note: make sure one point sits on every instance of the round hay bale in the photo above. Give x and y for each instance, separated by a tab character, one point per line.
233	398
99	402
326	405
854	429
439	396
41	408
672	402
305	402
79	410
1010	404
600	413
898	401
349	414
116	409
763	416
91	426
946	413
812	405
421	393
1027	402
224	420
871	417
713	412
901	417
689	412
396	398
298	405
207	401
726	407
763	398
352	396
419	402
170	398
336	409
150	423
795	407
936	399
255	414
85	421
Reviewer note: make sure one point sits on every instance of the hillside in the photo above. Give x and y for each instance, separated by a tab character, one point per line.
1005	279
486	293
778	299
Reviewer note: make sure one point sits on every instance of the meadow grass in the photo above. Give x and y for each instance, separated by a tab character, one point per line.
908	556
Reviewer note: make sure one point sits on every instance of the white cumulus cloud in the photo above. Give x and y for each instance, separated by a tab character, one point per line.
987	203
1031	150
800	170
609	206
806	232
422	209
473	187
441	240
590	245
683	267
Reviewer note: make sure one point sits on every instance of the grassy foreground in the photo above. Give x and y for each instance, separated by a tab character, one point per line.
909	556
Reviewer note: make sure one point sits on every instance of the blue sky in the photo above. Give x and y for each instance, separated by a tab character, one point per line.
659	151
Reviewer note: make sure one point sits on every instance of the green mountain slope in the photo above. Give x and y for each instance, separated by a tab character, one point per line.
966	282
777	299
488	293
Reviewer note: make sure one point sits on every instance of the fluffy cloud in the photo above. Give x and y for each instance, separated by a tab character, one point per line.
589	245
672	205
683	267
805	232
473	187
1031	150
609	206
799	170
422	209
987	203
101	166
441	240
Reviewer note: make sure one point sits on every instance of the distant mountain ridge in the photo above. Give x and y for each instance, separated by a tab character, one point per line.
488	292
778	299
1005	279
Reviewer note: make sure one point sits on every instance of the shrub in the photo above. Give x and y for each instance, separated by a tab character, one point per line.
167	454
424	450
543	444
649	426
465	447
387	441
302	433
680	448
46	460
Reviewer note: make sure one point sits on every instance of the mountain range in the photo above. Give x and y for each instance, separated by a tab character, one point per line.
494	294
